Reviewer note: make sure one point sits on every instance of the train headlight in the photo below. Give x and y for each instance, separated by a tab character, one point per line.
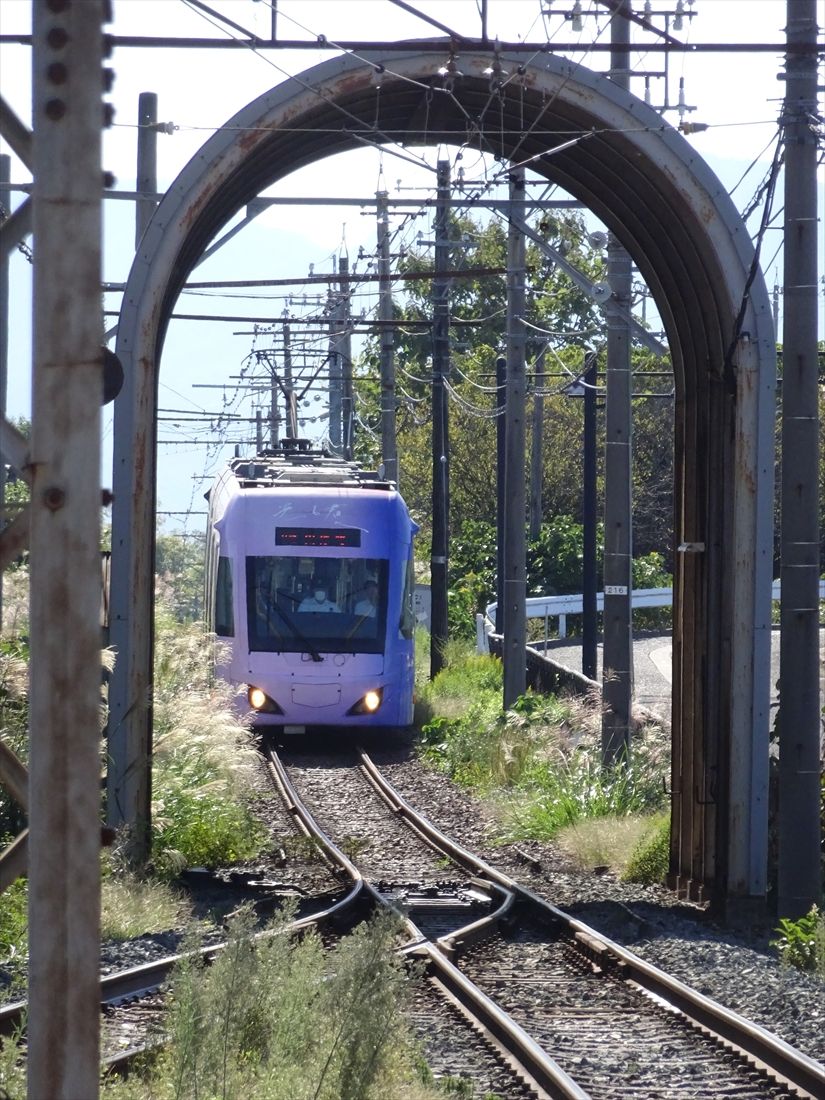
369	702
372	701
257	698
260	701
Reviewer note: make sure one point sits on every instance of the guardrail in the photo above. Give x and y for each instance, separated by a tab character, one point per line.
559	607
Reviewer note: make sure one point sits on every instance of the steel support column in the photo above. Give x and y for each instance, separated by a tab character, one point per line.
64	698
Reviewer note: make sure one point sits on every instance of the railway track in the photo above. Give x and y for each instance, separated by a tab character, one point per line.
519	997
573	1013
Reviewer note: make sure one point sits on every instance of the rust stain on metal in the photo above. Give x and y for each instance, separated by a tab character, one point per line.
350	82
194	209
247	141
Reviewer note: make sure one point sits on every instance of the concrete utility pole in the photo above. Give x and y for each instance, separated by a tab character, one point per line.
335	369
515	518
345	345
389	447
501	486
290	403
64	700
274	397
147	161
536	445
590	616
441	435
617	654
799	713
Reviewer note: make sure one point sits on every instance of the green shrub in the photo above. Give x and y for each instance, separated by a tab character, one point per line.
801	943
575	788
465	598
467	674
542	759
14	719
555	558
468	748
14	931
12	1067
277	1018
649	862
649	572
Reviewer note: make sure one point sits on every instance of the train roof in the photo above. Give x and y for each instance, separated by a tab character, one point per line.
297	463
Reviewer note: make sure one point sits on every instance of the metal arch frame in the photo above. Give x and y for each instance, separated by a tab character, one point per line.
671	213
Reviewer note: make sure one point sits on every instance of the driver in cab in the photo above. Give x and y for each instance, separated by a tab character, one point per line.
318	601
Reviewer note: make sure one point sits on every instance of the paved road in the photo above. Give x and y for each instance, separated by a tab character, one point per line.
652	667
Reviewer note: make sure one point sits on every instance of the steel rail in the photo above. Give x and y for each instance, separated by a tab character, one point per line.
539	1070
147	977
790	1066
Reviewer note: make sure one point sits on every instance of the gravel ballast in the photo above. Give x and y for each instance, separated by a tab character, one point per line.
735	966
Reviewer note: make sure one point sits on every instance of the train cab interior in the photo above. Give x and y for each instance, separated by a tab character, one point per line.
339	604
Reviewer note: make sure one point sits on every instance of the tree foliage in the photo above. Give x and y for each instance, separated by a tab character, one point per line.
562	319
179	568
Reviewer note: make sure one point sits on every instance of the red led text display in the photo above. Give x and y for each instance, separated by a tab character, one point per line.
317	536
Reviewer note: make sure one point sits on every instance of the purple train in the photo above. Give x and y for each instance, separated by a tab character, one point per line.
309	588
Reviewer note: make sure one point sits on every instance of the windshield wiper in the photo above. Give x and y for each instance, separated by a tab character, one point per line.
310	649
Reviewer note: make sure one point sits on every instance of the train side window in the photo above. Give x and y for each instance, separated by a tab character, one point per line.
407	624
224	619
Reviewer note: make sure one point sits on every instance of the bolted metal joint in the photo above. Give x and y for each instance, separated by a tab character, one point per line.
55	109
54	498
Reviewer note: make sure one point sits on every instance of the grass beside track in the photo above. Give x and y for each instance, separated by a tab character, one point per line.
539	766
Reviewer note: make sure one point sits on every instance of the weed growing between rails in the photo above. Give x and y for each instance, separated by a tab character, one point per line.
540	763
278	1018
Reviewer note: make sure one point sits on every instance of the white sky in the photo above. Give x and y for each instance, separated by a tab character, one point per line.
738	96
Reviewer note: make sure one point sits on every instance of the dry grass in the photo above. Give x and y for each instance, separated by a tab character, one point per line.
131	906
15	601
203	757
606	842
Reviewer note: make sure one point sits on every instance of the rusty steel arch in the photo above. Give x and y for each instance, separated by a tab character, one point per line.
647	184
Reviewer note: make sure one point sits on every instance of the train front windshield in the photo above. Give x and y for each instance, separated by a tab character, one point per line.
317	604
